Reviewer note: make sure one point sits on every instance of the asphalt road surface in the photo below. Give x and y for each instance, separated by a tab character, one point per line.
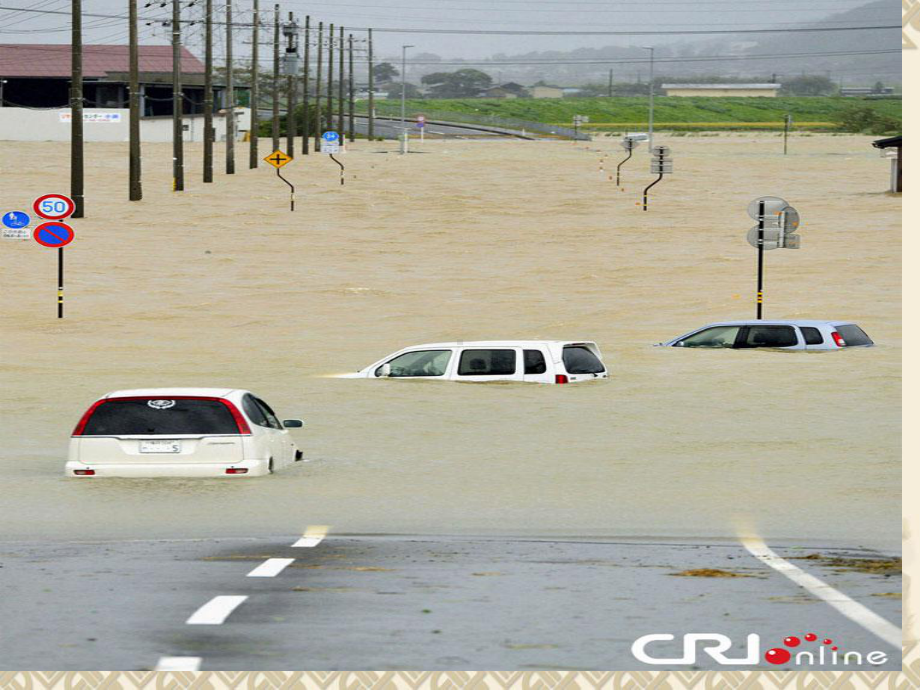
359	602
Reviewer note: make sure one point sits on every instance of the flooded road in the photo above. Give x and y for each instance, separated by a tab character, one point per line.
223	286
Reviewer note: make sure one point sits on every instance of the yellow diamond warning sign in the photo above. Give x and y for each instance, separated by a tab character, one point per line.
279	159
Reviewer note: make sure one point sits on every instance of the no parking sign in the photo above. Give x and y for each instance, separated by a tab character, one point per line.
55	234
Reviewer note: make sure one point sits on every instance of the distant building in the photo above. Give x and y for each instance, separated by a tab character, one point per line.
38	76
891	148
749	90
866	91
497	92
545	91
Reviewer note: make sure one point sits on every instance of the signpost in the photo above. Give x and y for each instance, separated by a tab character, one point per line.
776	223
330	145
420	123
55	234
787	124
15	224
278	160
662	164
628	143
577	121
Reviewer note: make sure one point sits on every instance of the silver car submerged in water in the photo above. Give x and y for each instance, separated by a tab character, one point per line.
785	335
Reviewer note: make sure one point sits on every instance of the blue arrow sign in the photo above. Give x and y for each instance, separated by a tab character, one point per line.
16	219
330	136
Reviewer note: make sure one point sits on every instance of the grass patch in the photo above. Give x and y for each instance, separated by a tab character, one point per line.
870	566
708	572
816	113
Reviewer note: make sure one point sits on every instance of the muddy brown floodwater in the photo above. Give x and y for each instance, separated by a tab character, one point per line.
222	285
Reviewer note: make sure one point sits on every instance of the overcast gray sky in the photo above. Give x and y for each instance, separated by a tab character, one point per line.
483	15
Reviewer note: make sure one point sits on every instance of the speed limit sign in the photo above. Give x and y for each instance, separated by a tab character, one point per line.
53	206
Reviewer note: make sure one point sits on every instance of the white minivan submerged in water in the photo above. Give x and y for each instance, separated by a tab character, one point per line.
180	432
535	361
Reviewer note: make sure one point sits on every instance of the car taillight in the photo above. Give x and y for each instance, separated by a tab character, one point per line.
236	470
81	425
838	339
85	473
562	378
240	420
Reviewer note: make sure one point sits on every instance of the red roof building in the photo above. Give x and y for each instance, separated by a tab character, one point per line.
38	76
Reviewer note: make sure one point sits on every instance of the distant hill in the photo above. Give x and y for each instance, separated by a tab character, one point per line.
852	70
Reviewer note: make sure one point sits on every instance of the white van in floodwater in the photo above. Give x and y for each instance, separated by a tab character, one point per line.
785	335
535	361
180	432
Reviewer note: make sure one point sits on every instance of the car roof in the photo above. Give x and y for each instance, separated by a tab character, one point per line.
493	343
779	322
166	392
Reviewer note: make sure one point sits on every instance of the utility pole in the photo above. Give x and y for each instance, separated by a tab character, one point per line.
329	122
178	161
610	85
208	94
318	114
134	114
290	69
276	70
254	91
231	95
76	108
370	84
341	127
402	109
651	95
351	88
305	144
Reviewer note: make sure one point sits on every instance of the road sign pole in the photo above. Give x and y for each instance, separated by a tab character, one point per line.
645	192
341	169
60	299
621	163
760	221
278	170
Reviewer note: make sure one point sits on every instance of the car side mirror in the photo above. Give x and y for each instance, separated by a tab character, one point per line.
292	423
385	370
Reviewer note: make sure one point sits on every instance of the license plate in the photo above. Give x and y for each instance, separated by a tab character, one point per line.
161	446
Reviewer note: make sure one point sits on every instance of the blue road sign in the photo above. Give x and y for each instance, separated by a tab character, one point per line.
16	219
330	136
53	234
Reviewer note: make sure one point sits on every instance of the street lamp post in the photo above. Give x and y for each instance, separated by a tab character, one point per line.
403	106
651	94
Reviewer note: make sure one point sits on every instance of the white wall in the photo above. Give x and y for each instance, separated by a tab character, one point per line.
105	124
26	124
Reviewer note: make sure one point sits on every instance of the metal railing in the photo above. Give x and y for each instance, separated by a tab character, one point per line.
510	124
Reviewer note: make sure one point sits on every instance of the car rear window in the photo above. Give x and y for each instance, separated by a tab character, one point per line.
160	417
812	335
487	363
578	359
853	335
770	336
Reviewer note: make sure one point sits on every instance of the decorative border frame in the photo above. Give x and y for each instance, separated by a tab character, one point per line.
907	678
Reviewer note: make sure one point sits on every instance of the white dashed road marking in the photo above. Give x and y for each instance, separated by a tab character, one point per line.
853	610
178	663
313	536
271	567
216	611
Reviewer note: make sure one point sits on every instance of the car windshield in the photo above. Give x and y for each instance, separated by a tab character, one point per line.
853	335
579	359
160	417
718	336
420	363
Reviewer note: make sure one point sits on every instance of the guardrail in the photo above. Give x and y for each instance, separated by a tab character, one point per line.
511	124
